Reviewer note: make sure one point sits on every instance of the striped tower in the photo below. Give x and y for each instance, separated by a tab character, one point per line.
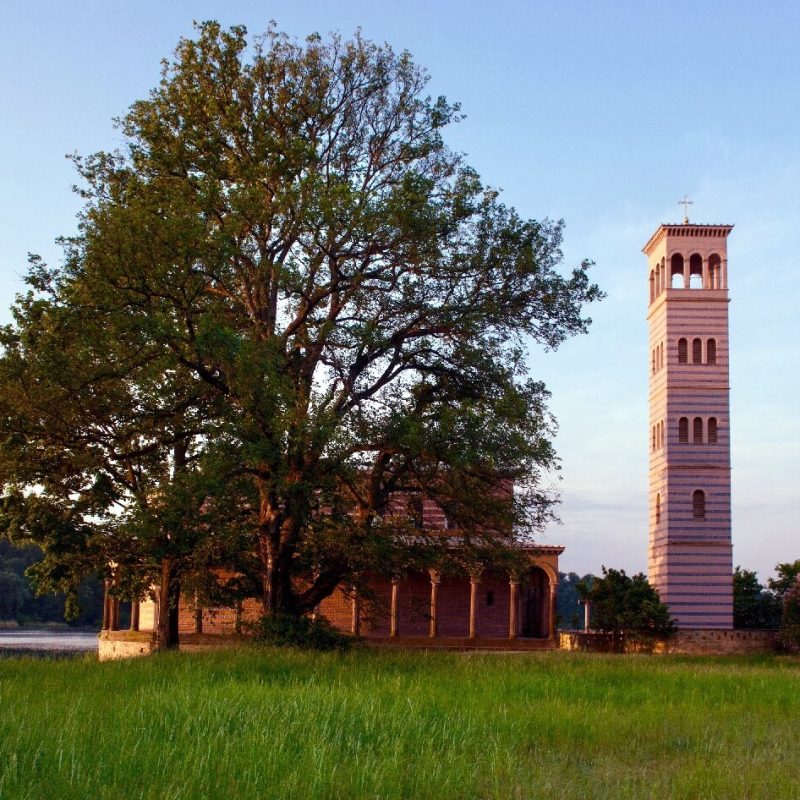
690	558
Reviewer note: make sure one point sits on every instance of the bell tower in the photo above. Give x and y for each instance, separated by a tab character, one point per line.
690	555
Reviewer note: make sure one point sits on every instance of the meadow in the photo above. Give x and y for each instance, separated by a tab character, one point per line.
263	723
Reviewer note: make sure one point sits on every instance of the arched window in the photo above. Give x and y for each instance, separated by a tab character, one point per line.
676	272
683	351
711	351
697	430
697	351
683	429
415	512
658	508
661	433
699	504
712	430
661	355
715	271
653	360
652	285
654	439
696	272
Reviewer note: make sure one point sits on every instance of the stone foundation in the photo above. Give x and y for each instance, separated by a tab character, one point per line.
711	642
130	644
124	644
699	641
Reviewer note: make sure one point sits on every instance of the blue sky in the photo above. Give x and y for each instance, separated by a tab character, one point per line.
603	114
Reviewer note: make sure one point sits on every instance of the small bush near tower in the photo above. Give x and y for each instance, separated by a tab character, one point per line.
628	608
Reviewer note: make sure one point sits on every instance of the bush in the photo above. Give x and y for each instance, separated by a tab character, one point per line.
628	608
285	630
789	636
753	607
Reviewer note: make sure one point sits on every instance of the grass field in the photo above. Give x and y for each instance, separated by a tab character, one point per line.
280	724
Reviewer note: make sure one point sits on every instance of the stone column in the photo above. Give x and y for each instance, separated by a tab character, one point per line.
687	274
198	620
156	609
474	582
134	615
552	615
355	623
512	609
724	274
587	615
106	607
393	629
114	624
706	275
433	631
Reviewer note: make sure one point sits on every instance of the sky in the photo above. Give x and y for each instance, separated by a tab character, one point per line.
601	114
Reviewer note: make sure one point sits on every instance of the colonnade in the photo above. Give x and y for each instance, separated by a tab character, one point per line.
472	628
111	610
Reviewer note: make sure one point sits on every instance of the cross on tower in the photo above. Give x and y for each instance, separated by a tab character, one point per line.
686	202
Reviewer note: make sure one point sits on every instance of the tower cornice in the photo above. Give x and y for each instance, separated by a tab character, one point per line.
685	230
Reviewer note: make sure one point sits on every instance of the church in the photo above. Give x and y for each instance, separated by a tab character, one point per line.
690	548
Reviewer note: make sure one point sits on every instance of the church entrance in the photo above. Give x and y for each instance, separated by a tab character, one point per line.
536	605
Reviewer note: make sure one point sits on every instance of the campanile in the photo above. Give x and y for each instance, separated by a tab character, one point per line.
690	555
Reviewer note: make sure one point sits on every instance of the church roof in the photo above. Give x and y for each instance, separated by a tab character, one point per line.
685	229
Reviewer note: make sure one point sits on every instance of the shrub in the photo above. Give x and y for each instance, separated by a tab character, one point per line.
789	636
628	608
285	630
753	607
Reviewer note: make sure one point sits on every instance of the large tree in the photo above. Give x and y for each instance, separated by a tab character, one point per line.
102	444
288	236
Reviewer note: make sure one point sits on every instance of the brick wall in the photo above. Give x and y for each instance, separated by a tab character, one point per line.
221	620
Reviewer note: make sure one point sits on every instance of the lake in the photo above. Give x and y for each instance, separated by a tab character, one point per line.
46	642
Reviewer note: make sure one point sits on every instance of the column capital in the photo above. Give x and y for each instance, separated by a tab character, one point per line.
436	576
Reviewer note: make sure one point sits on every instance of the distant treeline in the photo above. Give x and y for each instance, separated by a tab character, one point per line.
755	605
19	603
569	611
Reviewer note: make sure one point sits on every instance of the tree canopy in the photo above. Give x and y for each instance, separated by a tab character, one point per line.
621	604
287	303
753	606
789	636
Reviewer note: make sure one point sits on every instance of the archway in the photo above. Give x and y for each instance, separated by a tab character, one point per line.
535	602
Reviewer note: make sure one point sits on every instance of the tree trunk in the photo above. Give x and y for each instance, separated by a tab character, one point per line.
170	590
265	555
169	596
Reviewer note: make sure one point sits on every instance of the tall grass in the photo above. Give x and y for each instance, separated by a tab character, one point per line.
260	723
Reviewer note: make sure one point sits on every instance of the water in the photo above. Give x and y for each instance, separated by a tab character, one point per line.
46	642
